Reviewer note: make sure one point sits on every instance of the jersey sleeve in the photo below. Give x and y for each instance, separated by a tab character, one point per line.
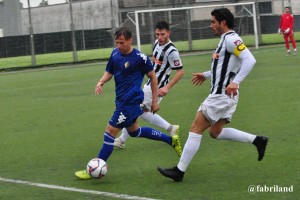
174	60
280	23
110	64
248	62
146	65
207	74
291	22
236	46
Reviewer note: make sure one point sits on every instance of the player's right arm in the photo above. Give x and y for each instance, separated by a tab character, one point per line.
154	88
199	78
280	25
106	77
108	74
176	65
236	46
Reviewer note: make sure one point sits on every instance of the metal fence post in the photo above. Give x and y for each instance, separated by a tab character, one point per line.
75	57
33	60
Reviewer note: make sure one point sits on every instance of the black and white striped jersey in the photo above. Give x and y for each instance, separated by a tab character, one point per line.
230	56
165	58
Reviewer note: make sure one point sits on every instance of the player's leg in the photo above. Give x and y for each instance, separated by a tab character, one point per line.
155	119
108	142
158	121
105	151
199	125
120	141
287	45
240	136
120	118
218	132
292	39
152	134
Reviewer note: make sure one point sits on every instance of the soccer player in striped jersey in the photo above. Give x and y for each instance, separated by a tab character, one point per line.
128	66
165	59
231	63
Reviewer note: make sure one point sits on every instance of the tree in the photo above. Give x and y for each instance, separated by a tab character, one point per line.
44	3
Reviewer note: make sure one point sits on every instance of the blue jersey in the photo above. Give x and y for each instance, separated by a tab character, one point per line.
129	71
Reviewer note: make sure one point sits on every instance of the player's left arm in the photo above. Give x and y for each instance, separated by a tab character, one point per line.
248	61
292	22
177	76
176	64
153	80
105	77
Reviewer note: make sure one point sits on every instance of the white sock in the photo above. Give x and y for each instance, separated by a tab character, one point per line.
190	149
124	135
236	135
156	120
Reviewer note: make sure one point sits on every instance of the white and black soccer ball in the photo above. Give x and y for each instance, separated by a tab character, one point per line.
96	167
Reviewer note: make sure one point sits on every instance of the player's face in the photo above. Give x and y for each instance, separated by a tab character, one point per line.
162	36
216	26
287	10
124	46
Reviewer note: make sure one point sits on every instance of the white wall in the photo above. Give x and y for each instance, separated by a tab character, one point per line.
87	15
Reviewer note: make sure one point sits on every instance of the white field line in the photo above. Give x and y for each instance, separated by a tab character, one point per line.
56	187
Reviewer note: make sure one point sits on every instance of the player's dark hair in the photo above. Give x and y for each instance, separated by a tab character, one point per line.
126	32
224	14
162	25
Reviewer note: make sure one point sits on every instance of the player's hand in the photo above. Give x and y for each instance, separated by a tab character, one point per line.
154	107
279	31
287	31
232	89
98	89
198	78
162	91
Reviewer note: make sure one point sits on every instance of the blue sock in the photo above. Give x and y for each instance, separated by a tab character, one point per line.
107	146
150	133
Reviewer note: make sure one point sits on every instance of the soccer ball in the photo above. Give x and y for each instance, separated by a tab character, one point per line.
96	167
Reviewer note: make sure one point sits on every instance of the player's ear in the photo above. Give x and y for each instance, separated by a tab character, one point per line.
169	33
223	23
130	40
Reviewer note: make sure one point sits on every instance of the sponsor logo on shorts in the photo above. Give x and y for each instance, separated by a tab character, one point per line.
121	118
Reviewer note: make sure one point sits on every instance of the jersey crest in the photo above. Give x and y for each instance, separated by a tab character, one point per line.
126	65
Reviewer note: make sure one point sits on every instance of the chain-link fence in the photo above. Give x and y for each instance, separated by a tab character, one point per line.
81	30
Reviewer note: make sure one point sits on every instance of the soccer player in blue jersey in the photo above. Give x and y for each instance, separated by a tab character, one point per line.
166	59
232	61
128	66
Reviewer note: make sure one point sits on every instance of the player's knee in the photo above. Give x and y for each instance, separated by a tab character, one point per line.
214	134
144	108
134	133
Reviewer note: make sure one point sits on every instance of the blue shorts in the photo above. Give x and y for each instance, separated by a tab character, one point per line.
125	115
